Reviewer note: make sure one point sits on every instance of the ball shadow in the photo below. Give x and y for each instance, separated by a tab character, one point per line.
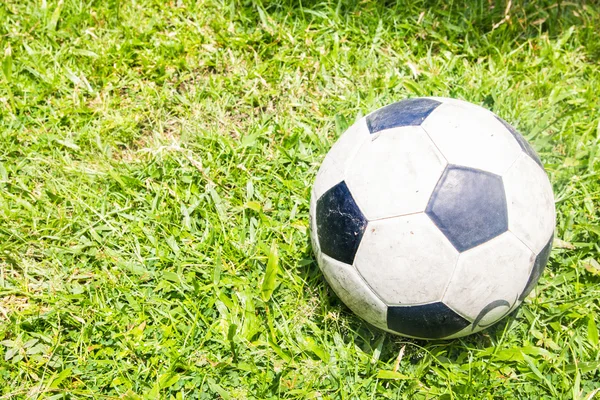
353	329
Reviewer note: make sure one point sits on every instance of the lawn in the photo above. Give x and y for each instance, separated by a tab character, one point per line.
156	159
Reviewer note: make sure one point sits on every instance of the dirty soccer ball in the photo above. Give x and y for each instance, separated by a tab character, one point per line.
432	218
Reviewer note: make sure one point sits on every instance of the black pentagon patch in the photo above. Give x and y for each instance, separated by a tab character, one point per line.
340	223
469	206
403	113
426	321
538	267
525	146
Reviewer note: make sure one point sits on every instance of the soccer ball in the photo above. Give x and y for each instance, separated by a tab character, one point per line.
432	218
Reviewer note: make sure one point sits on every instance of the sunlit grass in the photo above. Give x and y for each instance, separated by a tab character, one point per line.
155	155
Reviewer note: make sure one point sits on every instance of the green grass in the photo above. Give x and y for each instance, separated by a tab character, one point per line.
155	156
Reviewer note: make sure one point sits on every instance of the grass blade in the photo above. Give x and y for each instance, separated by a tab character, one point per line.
270	280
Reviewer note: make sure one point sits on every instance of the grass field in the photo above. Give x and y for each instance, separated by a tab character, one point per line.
156	156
